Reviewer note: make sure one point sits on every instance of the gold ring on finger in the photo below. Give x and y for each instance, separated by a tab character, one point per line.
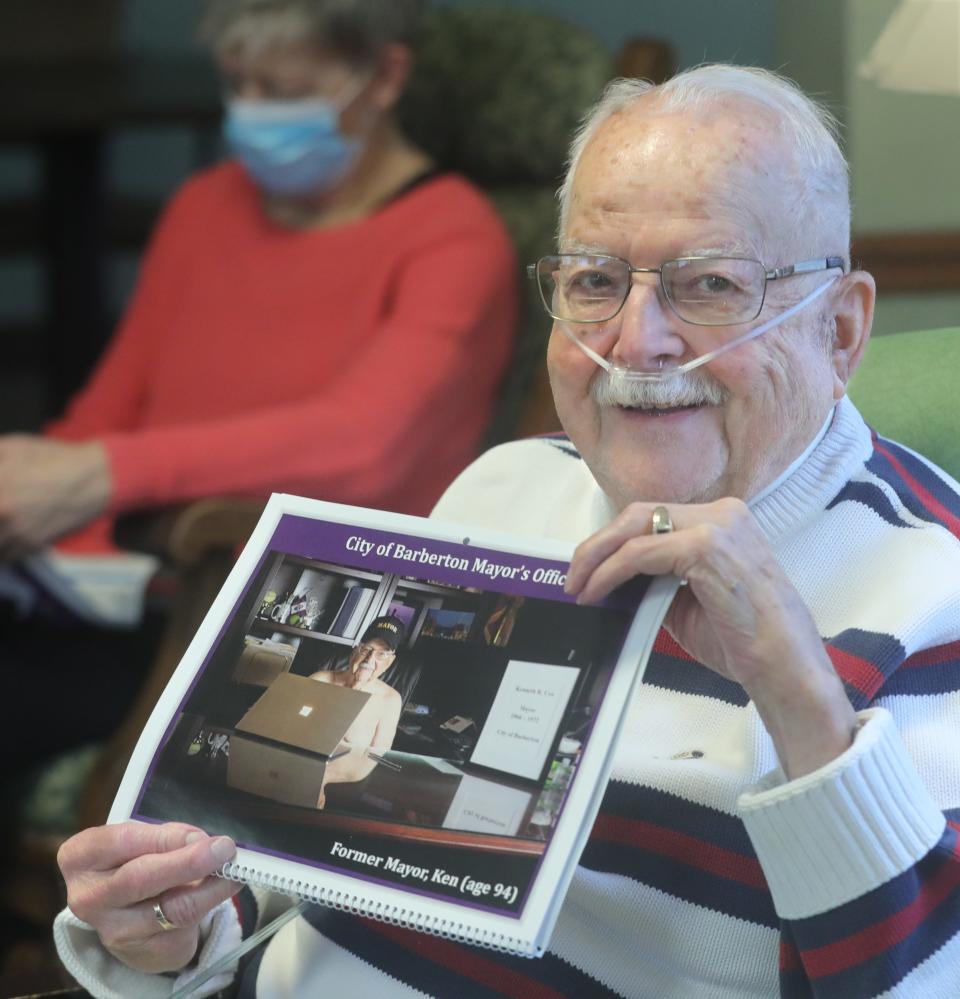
661	521
165	923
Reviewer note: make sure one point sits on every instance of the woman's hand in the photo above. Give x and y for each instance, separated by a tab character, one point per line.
739	615
47	489
116	874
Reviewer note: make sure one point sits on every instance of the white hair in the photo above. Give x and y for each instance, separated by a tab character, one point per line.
355	30
817	189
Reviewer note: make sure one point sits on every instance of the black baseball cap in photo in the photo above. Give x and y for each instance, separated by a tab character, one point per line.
387	629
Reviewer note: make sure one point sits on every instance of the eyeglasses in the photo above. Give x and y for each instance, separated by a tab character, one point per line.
377	655
705	291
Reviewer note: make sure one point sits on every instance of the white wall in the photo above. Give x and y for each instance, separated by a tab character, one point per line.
904	150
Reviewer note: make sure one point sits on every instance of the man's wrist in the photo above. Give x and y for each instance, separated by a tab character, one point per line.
810	724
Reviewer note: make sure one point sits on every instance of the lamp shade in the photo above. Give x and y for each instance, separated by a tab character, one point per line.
918	49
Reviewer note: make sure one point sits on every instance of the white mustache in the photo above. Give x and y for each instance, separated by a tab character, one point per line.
691	388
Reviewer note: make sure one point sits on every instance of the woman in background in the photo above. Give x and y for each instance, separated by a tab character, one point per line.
325	313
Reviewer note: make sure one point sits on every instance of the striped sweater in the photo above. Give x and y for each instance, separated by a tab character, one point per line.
707	875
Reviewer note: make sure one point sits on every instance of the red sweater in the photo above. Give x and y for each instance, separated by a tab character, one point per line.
357	364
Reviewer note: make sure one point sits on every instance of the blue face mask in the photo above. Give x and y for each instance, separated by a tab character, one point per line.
290	147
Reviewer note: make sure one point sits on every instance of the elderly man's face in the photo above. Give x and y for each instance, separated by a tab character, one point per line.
653	188
369	659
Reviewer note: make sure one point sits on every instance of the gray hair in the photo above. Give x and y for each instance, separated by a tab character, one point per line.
817	192
356	30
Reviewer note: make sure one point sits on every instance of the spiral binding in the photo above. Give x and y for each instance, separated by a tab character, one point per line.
383	912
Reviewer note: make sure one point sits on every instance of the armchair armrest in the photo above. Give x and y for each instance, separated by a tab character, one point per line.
183	535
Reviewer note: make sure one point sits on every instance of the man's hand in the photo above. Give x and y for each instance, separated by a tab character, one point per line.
47	489
739	615
115	874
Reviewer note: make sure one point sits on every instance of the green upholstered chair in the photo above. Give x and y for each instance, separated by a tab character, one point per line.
908	389
496	95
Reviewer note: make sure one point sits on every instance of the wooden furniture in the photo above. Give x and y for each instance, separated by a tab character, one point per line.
404	798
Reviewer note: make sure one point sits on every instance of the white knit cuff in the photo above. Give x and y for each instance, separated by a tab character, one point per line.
103	976
843	830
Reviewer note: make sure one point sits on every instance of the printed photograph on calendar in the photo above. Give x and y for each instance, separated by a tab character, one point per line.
408	710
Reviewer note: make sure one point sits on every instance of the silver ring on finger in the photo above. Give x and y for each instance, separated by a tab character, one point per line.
165	923
660	521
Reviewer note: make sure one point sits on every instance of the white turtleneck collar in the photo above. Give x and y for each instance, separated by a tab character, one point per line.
815	478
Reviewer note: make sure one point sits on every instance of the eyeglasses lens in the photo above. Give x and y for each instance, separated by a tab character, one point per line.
706	291
584	289
376	655
714	291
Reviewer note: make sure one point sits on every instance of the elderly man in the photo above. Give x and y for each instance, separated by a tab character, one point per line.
783	809
376	725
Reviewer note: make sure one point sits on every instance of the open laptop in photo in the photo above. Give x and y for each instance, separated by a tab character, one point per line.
282	745
304	713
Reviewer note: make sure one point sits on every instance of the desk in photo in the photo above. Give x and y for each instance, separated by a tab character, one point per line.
407	797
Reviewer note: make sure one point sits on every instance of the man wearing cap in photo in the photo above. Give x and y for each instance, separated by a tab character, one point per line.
376	725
